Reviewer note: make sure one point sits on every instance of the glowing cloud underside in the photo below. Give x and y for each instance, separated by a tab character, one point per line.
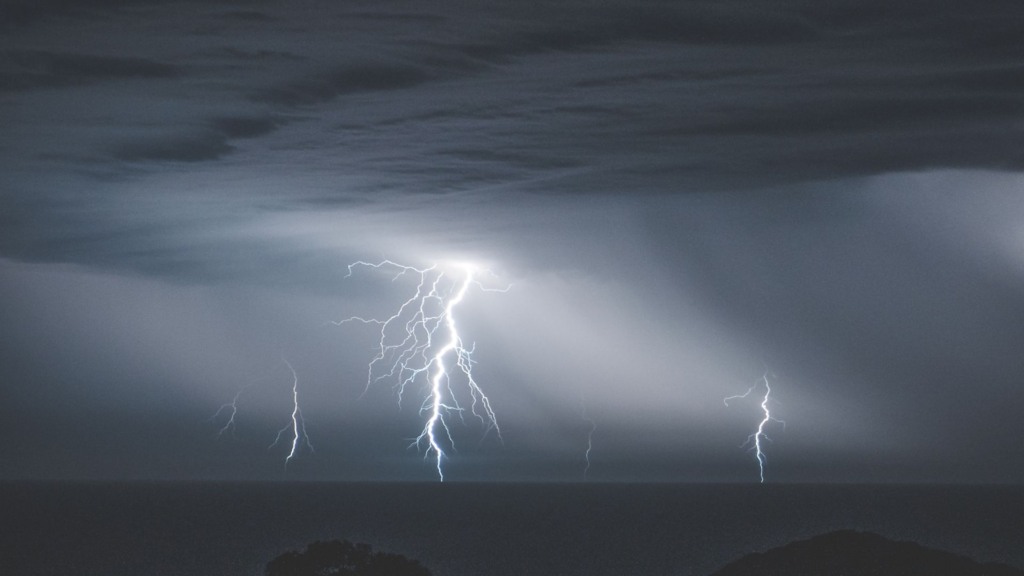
759	437
421	342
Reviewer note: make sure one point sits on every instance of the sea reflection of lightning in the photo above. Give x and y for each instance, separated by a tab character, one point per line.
758	438
297	425
408	350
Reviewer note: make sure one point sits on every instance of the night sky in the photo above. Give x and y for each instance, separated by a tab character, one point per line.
682	197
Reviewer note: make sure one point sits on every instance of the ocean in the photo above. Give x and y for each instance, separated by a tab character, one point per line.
233	529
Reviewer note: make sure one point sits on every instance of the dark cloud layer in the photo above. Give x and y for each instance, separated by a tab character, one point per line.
244	127
682	194
27	70
207	145
698	95
328	86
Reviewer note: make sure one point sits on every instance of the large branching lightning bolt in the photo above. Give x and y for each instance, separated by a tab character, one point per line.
759	437
421	342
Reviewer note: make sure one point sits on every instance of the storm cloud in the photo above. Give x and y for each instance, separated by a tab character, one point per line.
682	195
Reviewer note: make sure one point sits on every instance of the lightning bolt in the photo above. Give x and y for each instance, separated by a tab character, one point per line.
590	436
297	425
232	409
421	341
759	436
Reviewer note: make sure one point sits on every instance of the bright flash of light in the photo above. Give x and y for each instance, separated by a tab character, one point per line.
297	425
421	342
759	437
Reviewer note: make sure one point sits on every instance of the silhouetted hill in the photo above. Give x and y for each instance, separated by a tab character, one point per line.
343	558
851	553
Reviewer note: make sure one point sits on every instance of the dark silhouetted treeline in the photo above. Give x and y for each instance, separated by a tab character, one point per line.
841	553
851	553
343	558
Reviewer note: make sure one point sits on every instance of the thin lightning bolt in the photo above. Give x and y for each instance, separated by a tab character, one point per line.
297	425
232	408
409	349
590	436
759	436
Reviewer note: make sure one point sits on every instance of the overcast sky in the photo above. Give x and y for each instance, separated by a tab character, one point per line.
683	197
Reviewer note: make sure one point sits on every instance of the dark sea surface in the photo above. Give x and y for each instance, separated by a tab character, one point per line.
233	529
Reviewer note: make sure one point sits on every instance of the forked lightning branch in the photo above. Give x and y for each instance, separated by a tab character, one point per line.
757	440
420	346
